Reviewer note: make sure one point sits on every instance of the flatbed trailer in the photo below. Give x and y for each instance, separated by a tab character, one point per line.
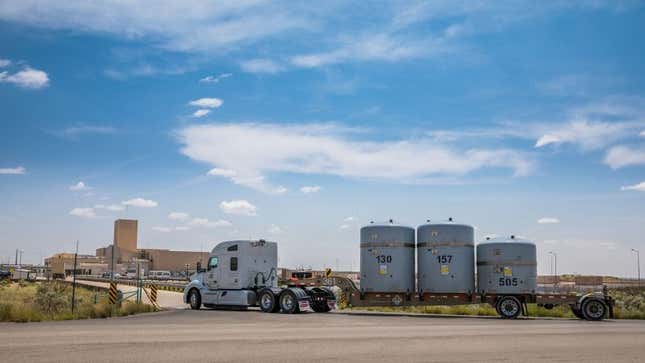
591	306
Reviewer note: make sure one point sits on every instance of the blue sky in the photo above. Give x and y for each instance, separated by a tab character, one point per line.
299	123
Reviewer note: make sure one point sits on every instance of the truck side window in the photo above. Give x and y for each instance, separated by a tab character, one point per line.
233	263
212	263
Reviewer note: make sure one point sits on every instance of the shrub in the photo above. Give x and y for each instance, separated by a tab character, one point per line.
52	298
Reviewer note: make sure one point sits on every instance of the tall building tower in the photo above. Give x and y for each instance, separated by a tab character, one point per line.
125	234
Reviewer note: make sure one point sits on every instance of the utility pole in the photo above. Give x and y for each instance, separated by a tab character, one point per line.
555	267
16	257
112	268
638	264
74	279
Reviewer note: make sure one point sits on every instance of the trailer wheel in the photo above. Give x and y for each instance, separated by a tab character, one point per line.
577	313
289	302
194	299
594	309
268	302
509	307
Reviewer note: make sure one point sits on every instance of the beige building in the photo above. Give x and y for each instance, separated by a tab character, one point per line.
125	234
173	260
125	256
62	264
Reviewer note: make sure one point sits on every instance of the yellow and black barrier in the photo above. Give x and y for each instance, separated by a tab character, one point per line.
113	293
153	294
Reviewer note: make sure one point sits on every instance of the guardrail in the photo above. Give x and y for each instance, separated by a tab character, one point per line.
161	285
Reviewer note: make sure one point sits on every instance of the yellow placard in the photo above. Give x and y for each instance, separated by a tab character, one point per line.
382	269
508	271
445	269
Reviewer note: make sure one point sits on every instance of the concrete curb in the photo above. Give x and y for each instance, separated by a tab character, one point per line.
449	316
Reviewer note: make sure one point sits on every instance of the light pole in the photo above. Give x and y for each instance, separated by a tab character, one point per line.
555	267
638	264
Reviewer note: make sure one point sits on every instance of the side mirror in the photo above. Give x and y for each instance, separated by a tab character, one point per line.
198	267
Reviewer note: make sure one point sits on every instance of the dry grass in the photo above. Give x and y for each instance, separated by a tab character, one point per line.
27	302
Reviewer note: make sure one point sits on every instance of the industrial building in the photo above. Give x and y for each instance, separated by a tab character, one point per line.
123	256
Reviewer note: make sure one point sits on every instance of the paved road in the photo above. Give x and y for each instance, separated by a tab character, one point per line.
166	299
210	336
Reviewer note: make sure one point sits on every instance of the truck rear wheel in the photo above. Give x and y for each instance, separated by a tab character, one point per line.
509	307
268	301
289	302
194	299
594	309
321	299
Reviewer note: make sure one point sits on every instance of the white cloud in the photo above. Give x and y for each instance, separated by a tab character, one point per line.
204	222
215	79
253	150
638	187
178	216
222	172
83	212
185	26
621	156
4	62
165	229
548	220
642	134
310	189
273	229
140	202
206	103
349	219
589	135
74	132
241	207
373	47
344	226
27	78
201	112
111	207
19	170
80	186
261	66
254	182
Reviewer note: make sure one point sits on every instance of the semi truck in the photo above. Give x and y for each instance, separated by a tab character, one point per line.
243	274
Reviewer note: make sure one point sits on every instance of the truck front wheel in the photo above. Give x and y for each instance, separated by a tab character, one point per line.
194	299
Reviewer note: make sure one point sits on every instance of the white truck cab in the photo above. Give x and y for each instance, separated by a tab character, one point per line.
234	272
240	274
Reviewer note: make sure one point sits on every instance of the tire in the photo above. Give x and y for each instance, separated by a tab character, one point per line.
594	309
577	313
268	301
289	302
320	296
195	299
509	307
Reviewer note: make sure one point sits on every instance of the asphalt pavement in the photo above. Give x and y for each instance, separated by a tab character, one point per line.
252	336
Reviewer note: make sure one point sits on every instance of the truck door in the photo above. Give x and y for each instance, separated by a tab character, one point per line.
212	276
